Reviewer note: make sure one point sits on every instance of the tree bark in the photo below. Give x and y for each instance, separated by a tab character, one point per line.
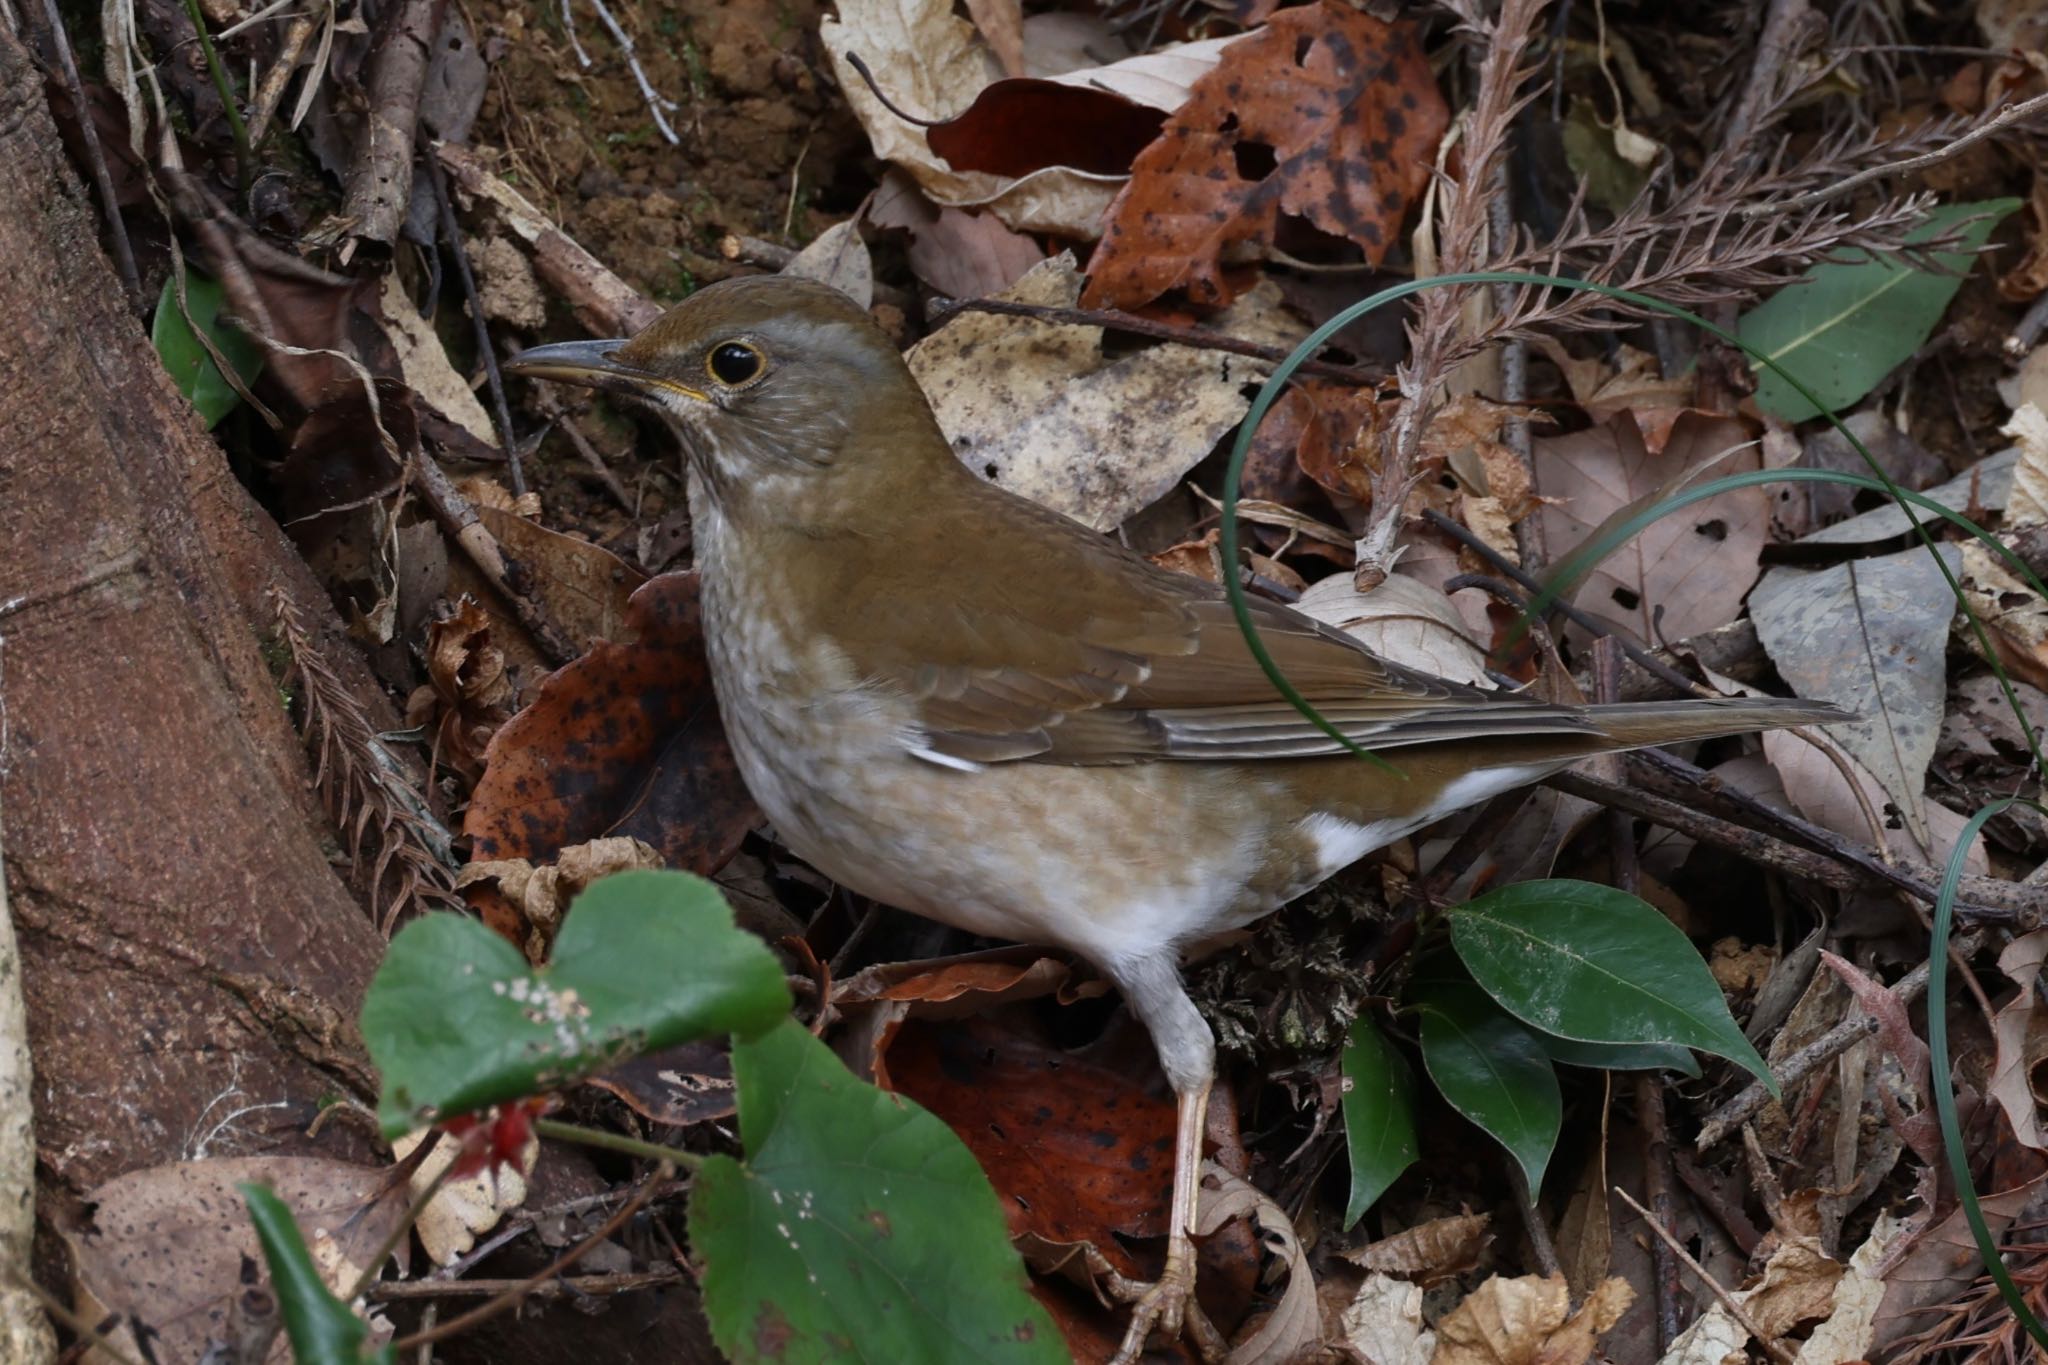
192	962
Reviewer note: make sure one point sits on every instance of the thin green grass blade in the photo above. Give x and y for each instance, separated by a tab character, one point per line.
1944	1096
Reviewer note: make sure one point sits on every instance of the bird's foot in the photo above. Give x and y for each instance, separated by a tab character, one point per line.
1168	1307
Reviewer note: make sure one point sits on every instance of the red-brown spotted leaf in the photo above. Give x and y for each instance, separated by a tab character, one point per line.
1327	114
624	741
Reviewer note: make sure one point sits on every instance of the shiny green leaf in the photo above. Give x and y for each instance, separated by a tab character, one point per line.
1379	1116
1595	965
1493	1070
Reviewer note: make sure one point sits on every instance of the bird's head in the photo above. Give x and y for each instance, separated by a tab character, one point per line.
770	383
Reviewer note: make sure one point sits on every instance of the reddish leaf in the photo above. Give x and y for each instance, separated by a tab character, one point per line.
1327	114
624	741
1335	429
1015	127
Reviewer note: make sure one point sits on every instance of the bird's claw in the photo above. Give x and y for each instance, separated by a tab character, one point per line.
1168	1307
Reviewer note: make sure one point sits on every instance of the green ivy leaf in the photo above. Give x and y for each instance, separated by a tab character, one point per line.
1596	965
1494	1071
191	368
858	1228
322	1329
456	1020
1379	1116
1842	328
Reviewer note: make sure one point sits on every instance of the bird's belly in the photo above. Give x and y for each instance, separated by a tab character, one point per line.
1108	862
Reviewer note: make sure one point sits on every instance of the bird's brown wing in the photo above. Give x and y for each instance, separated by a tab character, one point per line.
1087	654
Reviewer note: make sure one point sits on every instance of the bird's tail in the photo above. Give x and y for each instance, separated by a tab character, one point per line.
1634	724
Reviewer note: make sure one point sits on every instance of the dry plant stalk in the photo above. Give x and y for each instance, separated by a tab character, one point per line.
365	790
1710	241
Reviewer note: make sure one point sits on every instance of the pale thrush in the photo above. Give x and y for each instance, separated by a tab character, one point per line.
952	700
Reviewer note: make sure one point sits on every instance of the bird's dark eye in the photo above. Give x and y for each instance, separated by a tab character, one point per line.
733	363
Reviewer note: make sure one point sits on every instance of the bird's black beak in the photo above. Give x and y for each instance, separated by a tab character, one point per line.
595	365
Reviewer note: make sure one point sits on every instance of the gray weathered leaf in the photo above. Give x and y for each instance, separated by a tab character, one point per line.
1868	635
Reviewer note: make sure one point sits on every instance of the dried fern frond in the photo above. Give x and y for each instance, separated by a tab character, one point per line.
365	789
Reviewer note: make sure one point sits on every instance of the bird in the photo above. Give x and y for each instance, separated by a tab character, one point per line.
952	700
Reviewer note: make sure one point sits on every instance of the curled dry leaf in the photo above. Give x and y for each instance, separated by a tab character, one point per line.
542	894
1282	1335
1383	1323
1528	1321
930	63
1326	114
1038	407
468	694
165	1245
2028	503
464	1205
1429	1252
2015	617
1095	120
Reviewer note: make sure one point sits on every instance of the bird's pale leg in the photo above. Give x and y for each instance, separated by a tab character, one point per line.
1187	1051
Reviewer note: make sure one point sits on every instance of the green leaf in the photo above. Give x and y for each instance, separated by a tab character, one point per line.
191	368
1493	1071
1596	965
859	1227
1842	328
1379	1116
1621	1056
321	1328
456	1020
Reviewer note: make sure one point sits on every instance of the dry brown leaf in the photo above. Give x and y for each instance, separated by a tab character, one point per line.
165	1245
1002	27
2021	1033
1403	619
1326	113
1693	567
1429	1252
2027	503
542	894
1528	1321
1383	1323
468	693
1294	1325
2014	616
962	254
1845	1334
931	64
1039	408
838	257
1816	788
424	365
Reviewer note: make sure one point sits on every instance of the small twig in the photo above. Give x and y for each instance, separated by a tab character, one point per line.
516	1295
555	413
270	93
853	59
654	101
1815	1054
485	350
98	1335
459	519
1116	320
1728	1301
2005	118
611	1282
379	188
1657	1184
102	178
